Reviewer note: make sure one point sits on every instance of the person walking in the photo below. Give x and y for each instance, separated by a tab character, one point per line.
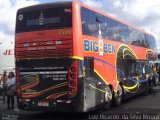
11	88
3	81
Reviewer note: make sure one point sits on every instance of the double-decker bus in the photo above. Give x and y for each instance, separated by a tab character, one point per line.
70	56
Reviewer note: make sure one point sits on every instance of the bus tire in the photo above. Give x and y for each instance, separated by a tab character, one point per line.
117	98
108	97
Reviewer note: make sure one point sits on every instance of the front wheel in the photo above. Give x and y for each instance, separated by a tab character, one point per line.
108	97
117	99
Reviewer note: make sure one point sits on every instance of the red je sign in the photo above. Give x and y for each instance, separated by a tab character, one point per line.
8	52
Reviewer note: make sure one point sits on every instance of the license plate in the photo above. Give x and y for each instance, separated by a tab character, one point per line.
44	104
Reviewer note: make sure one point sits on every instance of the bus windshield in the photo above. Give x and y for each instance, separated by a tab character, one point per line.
43	18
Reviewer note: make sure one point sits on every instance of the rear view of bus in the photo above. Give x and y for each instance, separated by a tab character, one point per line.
45	71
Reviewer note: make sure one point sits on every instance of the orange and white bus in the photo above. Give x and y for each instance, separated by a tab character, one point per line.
70	56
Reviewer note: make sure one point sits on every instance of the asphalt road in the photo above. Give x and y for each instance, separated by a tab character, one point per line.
136	108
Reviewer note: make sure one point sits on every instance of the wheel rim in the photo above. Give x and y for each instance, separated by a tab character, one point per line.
108	95
119	94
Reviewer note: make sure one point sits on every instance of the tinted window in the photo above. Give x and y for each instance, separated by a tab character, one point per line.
114	30
129	66
44	18
89	23
151	42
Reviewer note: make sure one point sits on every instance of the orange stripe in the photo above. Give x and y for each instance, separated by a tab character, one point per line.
36	94
56	95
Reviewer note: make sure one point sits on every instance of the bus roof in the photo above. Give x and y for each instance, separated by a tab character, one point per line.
46	5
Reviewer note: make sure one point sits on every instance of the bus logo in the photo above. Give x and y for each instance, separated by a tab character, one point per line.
20	17
99	47
41	19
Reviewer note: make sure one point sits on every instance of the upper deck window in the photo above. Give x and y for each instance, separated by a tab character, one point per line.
114	30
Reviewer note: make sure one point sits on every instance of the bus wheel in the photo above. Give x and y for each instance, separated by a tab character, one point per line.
117	99
108	97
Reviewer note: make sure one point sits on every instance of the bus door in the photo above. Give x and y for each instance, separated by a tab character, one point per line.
93	96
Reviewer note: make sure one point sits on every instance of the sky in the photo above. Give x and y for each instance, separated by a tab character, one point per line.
144	14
